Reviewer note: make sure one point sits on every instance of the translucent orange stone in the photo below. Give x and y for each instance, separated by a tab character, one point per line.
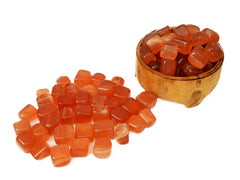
169	51
181	60
147	98
84	130
182	31
190	70
44	99
164	31
106	87
208	66
99	99
97	78
132	105
57	90
102	148
82	78
147	115
40	150
42	91
119	114
122	133
83	113
79	147
184	45
51	122
21	126
89	88
46	109
146	55
168	37
199	38
83	97
63	80
197	59
67	115
136	124
168	66
213	51
40	132
155	44
72	89
149	36
104	129
212	36
64	134
119	81
112	102
65	100
121	93
60	155
25	141
28	113
193	28
100	113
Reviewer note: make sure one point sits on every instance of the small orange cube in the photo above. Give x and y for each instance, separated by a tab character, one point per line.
46	109
122	133
40	132
121	93
63	80
97	78
25	141
148	117
60	155
147	98
83	113
106	87
67	115
64	134
119	81
83	97
28	113
84	130
57	90
40	150
82	78
51	122
132	105
21	126
104	129
102	148
79	147
136	124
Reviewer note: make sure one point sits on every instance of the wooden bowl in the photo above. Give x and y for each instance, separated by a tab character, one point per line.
189	91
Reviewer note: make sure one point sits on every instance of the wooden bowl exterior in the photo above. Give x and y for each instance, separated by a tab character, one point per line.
189	91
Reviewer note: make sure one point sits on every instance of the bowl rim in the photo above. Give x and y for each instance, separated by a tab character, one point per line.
215	68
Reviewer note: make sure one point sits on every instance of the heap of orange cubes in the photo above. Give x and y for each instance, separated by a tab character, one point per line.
181	51
87	113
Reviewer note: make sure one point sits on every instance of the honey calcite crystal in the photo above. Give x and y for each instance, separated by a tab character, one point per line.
84	117
161	49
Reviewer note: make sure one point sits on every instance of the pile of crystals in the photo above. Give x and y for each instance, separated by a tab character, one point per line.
82	117
181	51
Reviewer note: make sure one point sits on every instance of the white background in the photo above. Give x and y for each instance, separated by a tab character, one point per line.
42	40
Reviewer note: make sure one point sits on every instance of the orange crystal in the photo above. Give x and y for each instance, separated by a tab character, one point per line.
190	70
46	109
40	150
84	130
119	114
122	133
21	126
119	81
72	89
51	122
121	93
82	78
213	51
40	132
57	90
197	59
63	80
97	78
199	38
106	87
193	28
111	103
83	97
104	129
163	31
132	105
182	31
155	44
146	55
79	147
44	99
102	148
169	51
25	141
147	115
60	155
168	66
64	134
65	100
83	113
67	115
147	98
100	113
29	113
136	124
212	36
89	88
184	45
99	99
42	91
